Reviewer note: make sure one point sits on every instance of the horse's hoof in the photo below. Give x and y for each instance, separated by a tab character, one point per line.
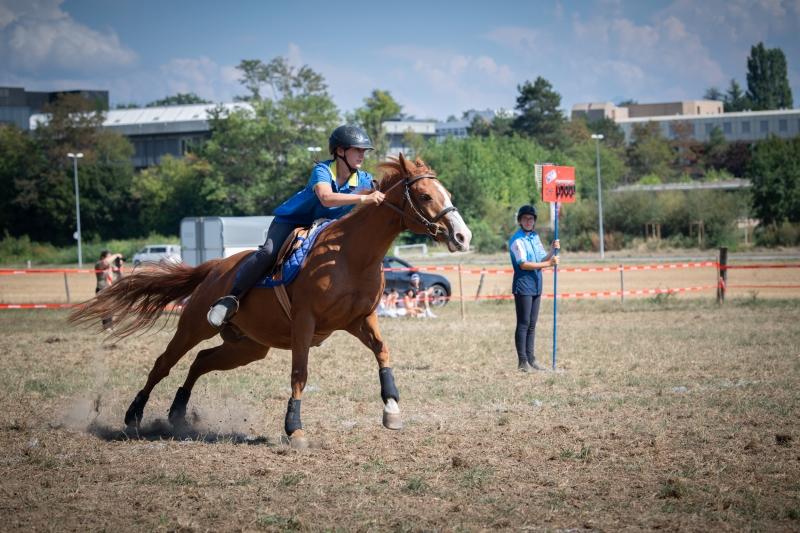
134	414
298	440
392	420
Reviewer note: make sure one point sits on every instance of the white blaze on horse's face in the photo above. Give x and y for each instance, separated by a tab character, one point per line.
460	235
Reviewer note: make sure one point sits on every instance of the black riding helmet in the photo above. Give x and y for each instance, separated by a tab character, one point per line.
527	210
349	136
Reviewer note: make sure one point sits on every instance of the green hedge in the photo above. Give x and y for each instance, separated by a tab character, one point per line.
18	251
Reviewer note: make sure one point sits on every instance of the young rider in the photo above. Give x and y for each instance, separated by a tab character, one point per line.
528	257
335	187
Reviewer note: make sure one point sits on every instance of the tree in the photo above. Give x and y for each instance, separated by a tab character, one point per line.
178	188
688	151
735	99
713	93
628	102
263	152
610	130
489	177
378	108
649	153
539	116
774	172
414	142
21	160
178	99
767	79
45	199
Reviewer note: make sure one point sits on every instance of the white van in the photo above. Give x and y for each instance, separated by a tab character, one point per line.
158	253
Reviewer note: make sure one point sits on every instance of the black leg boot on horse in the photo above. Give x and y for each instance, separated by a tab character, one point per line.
253	269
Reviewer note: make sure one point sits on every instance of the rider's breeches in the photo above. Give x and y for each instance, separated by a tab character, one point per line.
255	267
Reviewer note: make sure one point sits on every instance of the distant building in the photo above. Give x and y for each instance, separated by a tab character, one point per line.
698	117
159	131
397	134
460	128
17	105
746	126
598	111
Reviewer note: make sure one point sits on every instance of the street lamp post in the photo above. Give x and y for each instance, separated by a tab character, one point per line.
75	158
599	137
313	151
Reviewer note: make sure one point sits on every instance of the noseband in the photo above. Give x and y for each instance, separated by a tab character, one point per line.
430	224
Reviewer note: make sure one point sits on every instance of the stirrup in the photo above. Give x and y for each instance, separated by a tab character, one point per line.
223	310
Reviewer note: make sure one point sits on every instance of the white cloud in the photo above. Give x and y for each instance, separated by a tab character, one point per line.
431	80
37	35
202	76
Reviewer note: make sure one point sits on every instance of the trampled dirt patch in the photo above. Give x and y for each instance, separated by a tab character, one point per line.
669	413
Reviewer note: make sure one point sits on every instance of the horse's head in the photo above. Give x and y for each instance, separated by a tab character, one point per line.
424	203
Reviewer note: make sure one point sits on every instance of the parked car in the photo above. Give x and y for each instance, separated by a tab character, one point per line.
158	253
401	280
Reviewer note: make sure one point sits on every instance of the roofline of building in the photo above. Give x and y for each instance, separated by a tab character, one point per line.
738	114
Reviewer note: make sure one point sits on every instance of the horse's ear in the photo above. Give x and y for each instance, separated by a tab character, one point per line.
405	164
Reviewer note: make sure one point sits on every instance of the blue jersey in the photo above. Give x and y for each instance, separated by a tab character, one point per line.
303	208
526	247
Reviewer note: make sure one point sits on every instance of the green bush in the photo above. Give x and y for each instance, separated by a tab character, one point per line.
783	234
18	251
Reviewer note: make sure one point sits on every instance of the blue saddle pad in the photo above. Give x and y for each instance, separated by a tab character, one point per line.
294	261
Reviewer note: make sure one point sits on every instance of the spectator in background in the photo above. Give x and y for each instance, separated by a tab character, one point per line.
105	277
117	268
422	296
409	305
528	257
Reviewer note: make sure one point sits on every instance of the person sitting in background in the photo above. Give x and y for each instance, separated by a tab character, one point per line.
422	296
409	304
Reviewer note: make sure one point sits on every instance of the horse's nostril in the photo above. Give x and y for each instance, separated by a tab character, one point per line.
460	238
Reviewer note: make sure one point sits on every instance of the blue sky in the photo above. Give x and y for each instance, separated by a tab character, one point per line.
436	58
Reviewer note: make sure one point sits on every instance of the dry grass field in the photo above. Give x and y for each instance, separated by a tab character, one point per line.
669	413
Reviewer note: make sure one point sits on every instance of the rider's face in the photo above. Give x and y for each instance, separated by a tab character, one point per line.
527	222
354	156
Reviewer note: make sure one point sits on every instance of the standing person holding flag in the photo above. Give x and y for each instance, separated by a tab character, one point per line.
528	257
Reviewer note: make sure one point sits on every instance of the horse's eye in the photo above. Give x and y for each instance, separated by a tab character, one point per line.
425	197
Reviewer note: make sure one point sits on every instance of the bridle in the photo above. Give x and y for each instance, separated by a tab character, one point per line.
431	225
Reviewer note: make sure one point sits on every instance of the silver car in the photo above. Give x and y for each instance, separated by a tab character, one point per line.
158	253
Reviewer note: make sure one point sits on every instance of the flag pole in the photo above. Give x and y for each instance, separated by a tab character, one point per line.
555	295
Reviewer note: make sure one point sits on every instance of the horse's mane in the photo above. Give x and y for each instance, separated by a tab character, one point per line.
396	168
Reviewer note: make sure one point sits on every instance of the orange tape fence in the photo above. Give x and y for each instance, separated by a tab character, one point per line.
719	273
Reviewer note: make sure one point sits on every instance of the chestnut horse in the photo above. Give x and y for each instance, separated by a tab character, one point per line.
338	288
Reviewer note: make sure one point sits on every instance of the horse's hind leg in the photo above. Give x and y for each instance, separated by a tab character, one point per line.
367	332
181	342
226	356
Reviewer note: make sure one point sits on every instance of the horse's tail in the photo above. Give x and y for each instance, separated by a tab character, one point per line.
139	299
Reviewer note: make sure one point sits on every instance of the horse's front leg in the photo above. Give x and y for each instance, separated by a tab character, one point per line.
302	335
367	332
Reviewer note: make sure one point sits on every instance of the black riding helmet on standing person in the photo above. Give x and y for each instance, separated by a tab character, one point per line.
527	210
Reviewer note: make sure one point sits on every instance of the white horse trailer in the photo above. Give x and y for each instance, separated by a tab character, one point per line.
204	238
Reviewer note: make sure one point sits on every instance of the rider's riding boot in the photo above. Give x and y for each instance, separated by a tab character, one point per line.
523	366
223	310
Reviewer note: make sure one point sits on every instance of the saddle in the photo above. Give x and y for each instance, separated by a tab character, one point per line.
292	255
